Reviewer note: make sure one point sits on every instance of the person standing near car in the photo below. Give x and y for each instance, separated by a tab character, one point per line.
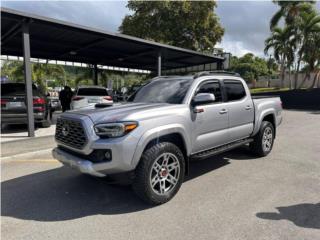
65	97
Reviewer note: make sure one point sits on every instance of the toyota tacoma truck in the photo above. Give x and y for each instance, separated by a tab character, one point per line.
166	123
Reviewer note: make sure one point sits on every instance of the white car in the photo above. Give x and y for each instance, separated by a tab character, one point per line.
86	96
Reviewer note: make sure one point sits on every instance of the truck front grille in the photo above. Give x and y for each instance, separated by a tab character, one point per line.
70	133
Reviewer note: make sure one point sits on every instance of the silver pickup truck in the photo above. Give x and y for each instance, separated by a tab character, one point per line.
165	124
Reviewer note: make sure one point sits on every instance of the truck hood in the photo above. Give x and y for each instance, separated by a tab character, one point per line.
122	112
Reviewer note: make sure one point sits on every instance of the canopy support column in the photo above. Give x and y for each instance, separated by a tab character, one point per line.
27	77
159	63
219	65
95	74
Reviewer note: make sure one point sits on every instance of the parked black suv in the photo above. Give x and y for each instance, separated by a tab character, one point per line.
13	105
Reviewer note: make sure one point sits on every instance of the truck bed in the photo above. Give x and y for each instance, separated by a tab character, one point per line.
263	96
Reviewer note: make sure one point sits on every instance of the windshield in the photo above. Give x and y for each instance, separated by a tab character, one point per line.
163	91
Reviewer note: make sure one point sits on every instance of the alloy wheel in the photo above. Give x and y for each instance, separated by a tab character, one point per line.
165	173
267	139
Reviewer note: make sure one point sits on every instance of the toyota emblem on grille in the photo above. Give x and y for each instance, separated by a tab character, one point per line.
65	130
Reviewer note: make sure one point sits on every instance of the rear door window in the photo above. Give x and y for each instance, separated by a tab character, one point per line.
92	92
234	90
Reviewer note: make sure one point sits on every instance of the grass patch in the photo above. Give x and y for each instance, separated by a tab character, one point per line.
262	90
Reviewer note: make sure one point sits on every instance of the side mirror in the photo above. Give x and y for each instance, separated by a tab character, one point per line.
203	98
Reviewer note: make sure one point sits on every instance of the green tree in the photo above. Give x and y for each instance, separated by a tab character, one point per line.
302	18
282	42
13	70
39	74
250	67
43	72
308	30
312	58
187	24
290	11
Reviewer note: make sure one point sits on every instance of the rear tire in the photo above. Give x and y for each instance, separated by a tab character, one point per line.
263	140
47	122
159	174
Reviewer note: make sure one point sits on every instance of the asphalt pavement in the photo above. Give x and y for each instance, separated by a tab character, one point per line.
231	196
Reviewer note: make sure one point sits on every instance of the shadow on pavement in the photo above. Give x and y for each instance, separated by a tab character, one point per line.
62	194
22	128
306	215
315	112
201	167
241	153
15	128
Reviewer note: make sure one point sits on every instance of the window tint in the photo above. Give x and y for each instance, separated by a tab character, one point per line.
212	87
92	92
235	90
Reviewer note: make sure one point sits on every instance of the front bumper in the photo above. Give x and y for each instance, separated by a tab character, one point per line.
83	165
122	150
118	164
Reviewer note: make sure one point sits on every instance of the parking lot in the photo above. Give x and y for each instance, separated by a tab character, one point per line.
230	196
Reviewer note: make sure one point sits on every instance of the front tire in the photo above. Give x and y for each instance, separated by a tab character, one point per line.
263	141
159	174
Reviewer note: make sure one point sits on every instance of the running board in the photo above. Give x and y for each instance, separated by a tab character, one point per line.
221	149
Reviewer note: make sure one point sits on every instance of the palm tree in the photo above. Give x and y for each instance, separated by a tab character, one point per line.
312	58
282	42
40	72
308	28
13	70
295	14
290	11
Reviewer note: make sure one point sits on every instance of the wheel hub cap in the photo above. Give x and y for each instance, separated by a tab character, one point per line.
267	139
165	173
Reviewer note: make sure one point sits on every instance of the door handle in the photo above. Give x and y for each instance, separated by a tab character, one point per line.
223	111
198	110
248	107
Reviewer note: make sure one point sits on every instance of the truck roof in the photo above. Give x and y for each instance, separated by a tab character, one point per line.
199	74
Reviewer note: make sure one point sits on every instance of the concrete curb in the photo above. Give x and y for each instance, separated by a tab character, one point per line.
23	146
26	139
32	155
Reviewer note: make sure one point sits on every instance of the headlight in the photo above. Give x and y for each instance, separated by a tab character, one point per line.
113	130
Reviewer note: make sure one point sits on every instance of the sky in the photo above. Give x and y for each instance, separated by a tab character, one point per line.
246	23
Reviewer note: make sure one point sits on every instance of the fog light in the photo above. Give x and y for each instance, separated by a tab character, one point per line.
99	156
107	155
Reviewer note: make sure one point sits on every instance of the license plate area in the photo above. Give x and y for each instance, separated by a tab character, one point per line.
15	105
95	100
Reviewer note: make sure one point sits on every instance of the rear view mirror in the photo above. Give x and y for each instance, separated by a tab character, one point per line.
203	98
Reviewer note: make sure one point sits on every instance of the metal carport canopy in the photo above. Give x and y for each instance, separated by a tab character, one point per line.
58	40
28	35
